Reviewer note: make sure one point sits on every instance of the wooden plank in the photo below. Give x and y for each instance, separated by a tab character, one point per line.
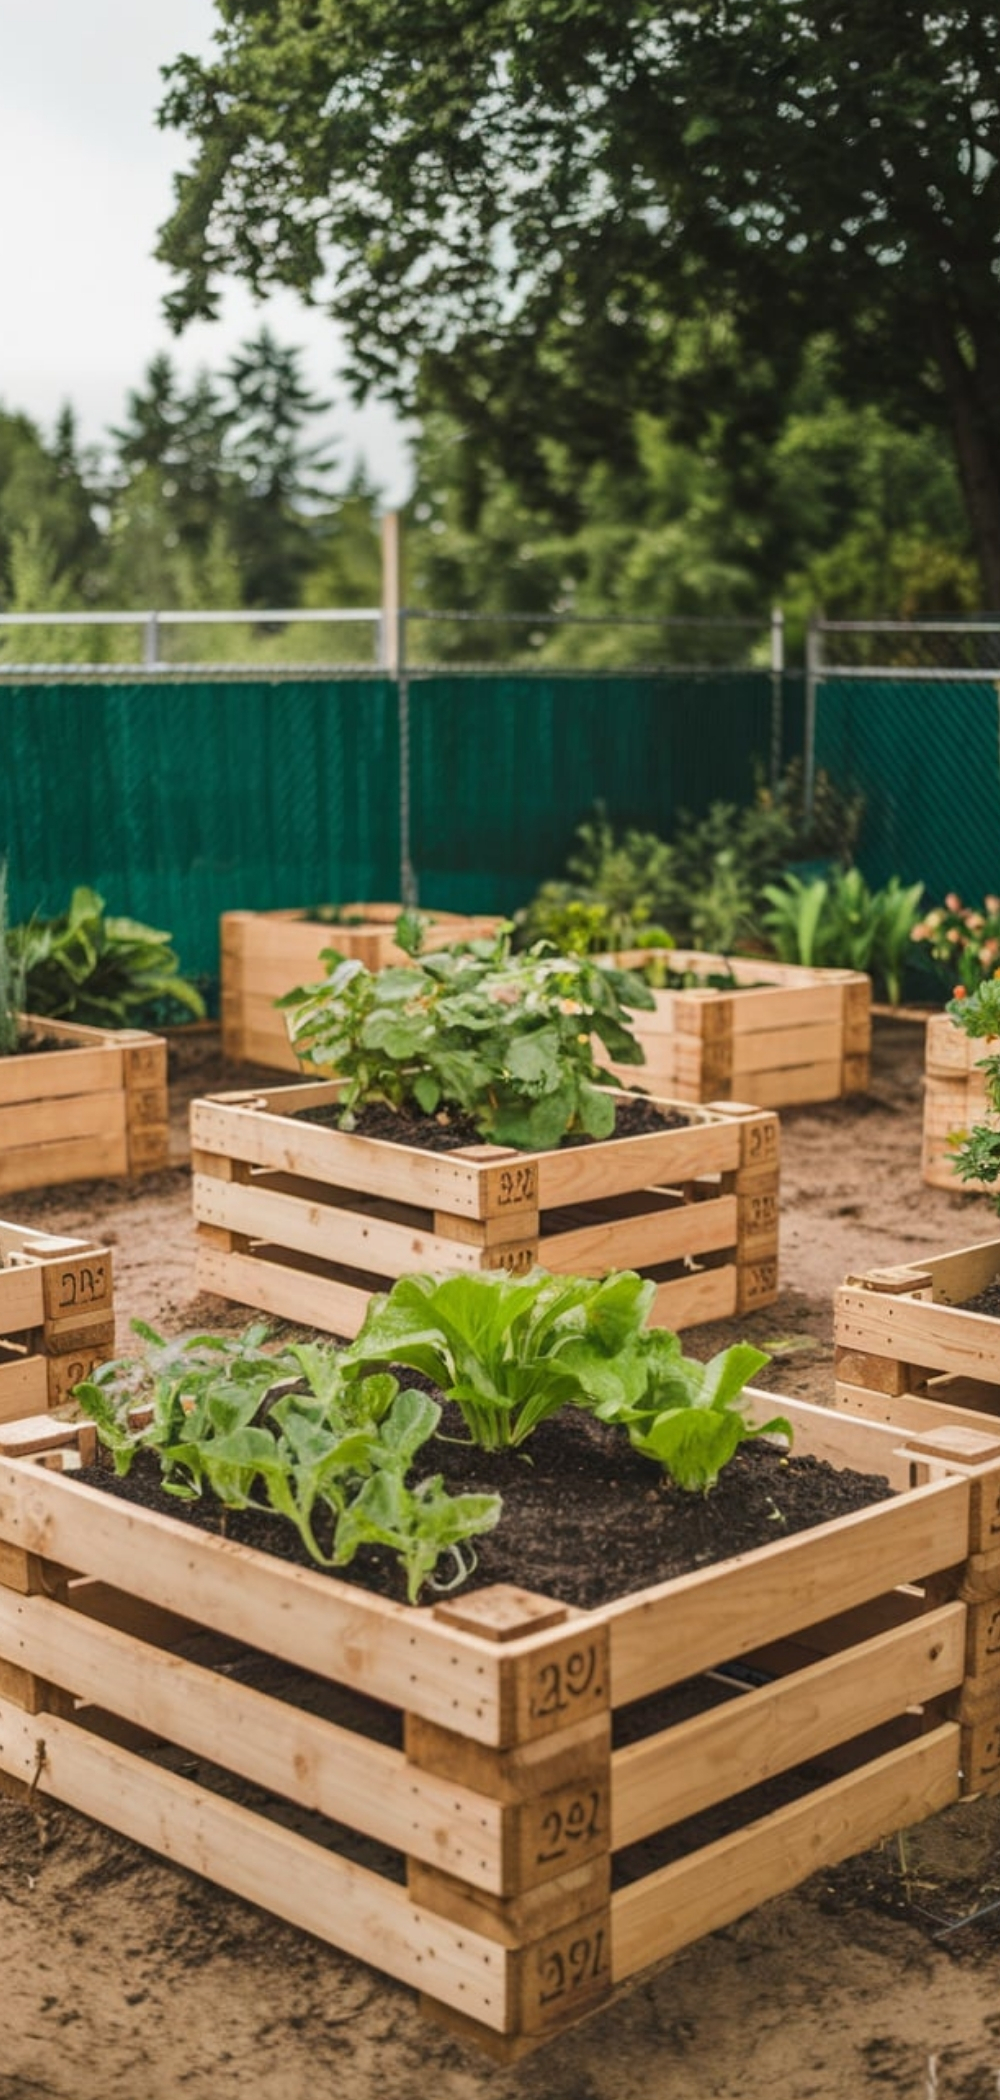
775	1049
337	1631
793	1086
705	1294
47	1165
720	1753
270	1282
909	1330
63	1117
665	1234
918	1411
719	1613
313	1762
359	1240
720	1882
308	1886
269	1138
49	1075
24	1387
787	1009
659	1160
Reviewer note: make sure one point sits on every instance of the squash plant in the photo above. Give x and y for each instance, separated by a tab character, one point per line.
505	1039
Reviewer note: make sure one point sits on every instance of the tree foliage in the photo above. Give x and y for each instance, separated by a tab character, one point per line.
515	211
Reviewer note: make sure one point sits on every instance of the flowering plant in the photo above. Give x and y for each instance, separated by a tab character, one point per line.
977	1151
963	942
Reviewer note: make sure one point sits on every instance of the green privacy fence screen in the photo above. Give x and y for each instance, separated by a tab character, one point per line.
925	754
178	799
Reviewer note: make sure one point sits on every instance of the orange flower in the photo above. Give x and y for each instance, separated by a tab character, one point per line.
960	991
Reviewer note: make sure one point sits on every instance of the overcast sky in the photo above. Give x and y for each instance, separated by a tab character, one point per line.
85	183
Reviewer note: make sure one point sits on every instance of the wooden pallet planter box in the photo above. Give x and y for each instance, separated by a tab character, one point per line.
306	1221
92	1107
504	1889
56	1317
265	954
792	1035
907	1349
954	1099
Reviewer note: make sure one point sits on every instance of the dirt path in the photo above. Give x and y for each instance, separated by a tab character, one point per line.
127	1979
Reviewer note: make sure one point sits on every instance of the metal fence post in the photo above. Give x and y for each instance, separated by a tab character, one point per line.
813	667
777	684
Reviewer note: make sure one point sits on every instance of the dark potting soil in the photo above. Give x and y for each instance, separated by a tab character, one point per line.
987	1301
585	1518
450	1132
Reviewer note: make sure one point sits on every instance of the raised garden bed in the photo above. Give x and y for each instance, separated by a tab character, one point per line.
85	1103
56	1317
519	1872
788	1034
910	1348
268	953
954	1099
307	1221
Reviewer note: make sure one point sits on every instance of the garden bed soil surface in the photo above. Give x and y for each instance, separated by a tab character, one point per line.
882	1977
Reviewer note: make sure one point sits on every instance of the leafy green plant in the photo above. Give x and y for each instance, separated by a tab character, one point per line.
109	972
691	1417
289	1432
507	1040
836	922
705	882
511	1351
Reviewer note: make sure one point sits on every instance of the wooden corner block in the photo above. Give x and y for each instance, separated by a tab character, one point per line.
880	1374
502	1612
148	1148
757	1284
554	1794
80	1283
145	1064
893	1281
36	1434
856	1074
982	1647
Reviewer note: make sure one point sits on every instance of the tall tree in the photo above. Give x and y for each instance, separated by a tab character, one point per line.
281	481
510	209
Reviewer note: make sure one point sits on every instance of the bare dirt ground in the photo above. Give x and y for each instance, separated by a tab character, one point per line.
127	1979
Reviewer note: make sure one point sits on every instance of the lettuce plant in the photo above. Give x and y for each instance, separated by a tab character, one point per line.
508	1040
288	1432
691	1417
510	1351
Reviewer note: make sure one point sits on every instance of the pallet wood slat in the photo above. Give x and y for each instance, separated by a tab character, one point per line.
56	1316
266	954
778	1725
655	1917
92	1105
788	1035
348	1905
908	1349
304	1220
504	1798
